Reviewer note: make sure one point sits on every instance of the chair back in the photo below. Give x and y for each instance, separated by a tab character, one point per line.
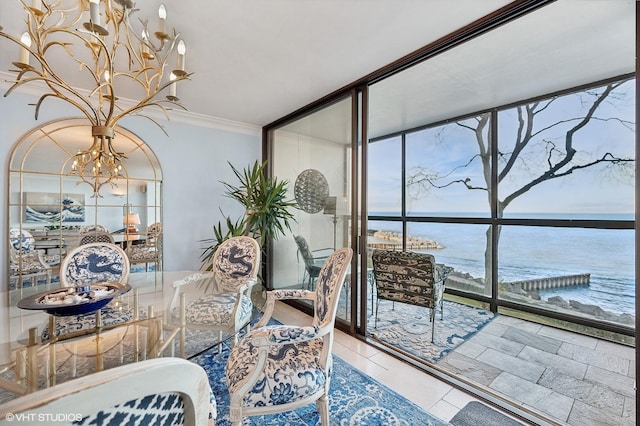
154	235
304	250
21	240
94	262
138	393
96	237
235	260
88	229
155	228
329	284
405	276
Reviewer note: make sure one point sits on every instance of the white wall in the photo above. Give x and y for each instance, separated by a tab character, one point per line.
193	158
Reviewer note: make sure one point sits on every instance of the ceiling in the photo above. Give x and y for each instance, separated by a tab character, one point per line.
255	61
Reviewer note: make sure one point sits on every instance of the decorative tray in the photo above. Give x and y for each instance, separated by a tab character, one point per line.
74	300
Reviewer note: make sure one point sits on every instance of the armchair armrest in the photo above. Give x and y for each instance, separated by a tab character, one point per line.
322	254
192	278
281	335
281	294
291	294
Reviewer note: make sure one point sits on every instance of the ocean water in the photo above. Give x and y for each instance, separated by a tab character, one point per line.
527	252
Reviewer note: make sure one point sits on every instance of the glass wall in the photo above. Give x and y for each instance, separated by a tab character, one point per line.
314	154
509	156
563	199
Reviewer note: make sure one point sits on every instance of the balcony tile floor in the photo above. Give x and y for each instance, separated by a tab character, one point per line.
574	379
571	378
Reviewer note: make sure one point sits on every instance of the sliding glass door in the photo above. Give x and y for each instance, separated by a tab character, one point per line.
315	154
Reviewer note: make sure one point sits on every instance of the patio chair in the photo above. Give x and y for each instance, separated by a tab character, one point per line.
313	260
163	391
408	277
276	368
236	264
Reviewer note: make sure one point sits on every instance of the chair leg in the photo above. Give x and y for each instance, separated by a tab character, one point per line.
235	416
432	318
377	305
323	409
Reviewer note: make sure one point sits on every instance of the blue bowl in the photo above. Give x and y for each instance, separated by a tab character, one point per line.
83	308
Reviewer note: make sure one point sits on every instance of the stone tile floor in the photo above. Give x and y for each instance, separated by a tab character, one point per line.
574	379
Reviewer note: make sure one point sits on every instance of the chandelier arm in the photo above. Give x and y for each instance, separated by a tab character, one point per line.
157	123
51	79
147	101
108	67
66	99
146	85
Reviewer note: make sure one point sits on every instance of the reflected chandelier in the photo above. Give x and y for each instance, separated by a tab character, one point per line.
99	37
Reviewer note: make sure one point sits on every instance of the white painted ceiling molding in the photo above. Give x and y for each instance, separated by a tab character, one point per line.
175	115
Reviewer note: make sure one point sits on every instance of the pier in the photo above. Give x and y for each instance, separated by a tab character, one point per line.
552	282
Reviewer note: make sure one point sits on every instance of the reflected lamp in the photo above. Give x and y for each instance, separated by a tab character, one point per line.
130	221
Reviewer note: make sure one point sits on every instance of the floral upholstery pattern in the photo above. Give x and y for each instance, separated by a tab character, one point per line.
292	372
27	264
284	367
216	309
73	323
151	250
408	277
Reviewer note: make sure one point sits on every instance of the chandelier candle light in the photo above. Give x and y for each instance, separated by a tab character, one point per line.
113	57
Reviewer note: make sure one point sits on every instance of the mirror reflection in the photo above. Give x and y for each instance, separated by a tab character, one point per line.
52	210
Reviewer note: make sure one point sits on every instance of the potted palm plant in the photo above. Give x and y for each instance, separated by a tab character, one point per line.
267	210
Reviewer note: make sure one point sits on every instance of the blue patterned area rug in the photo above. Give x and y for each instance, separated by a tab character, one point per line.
407	327
355	399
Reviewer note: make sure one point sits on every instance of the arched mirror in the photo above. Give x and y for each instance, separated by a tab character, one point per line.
51	207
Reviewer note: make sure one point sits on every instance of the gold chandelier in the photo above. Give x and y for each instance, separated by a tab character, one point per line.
114	53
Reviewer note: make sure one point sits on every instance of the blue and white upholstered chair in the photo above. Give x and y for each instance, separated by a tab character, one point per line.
88	264
236	264
276	368
162	391
150	251
25	262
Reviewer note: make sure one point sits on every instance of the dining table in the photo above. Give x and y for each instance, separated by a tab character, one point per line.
29	362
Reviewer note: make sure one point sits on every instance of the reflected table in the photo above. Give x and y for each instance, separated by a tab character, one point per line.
28	364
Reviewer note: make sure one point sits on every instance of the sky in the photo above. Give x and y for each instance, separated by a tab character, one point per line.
442	151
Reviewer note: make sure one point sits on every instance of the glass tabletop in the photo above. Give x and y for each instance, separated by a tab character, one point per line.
151	320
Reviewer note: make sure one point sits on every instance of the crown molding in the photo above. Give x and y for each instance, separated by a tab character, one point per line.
175	115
